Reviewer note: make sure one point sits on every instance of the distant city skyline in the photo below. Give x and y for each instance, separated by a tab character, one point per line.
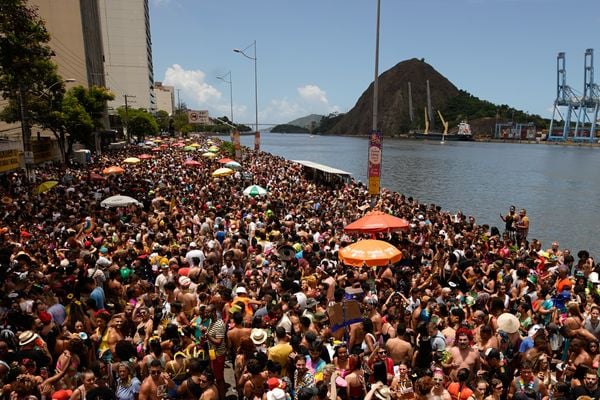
318	56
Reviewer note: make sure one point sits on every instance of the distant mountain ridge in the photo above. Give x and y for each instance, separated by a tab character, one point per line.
306	122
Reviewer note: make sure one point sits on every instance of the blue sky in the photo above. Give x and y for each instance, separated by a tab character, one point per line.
317	56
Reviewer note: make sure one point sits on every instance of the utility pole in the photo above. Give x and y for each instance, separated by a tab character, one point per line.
178	101
126	124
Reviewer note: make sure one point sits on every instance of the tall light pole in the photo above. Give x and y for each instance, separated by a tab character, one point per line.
376	137
242	52
230	82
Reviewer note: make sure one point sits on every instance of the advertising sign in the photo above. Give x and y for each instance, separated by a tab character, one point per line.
375	150
198	117
9	160
236	145
257	140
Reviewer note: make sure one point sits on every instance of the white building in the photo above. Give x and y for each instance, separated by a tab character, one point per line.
165	97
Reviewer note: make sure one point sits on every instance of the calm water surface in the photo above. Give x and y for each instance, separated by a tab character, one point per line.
558	185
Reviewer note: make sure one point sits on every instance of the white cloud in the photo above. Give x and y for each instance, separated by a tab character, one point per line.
194	91
311	99
313	94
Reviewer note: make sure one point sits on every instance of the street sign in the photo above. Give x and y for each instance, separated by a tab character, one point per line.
198	117
28	156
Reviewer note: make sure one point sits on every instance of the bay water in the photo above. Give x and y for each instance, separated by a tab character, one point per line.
558	185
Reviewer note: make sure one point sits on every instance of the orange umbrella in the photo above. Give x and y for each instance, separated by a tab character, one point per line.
113	170
145	157
369	252
377	221
225	160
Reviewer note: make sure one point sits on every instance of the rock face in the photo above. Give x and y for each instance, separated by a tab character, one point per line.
393	110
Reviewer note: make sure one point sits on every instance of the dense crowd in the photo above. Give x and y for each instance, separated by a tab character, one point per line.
158	300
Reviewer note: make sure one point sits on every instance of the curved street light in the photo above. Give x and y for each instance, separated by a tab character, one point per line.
242	52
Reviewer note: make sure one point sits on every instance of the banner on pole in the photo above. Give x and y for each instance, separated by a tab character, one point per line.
257	140
375	150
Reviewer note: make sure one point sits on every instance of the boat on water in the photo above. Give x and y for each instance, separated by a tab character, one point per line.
463	134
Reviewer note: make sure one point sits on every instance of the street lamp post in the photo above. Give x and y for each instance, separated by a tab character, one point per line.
230	82
376	137
242	52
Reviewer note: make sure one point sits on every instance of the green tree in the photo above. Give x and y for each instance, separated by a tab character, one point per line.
162	119
83	113
140	123
26	68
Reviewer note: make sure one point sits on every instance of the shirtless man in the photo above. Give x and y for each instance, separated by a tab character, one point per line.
188	299
399	349
237	333
156	384
143	329
463	355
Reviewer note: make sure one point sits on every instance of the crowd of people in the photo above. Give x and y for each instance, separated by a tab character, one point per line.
190	294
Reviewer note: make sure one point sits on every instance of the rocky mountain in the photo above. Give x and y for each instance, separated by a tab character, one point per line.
393	107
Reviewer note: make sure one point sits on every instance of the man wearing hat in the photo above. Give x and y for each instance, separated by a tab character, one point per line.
32	347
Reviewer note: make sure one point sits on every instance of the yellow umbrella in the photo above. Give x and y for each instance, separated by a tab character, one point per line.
223	172
214	149
209	155
195	145
44	187
131	160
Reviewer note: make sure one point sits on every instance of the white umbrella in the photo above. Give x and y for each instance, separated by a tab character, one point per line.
233	164
255	190
119	201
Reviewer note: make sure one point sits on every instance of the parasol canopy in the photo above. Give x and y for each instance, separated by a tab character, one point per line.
209	155
255	190
222	172
44	187
114	170
119	201
191	163
369	252
233	164
145	157
377	221
131	160
225	160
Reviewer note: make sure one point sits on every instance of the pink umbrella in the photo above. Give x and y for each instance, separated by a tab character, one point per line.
145	156
192	163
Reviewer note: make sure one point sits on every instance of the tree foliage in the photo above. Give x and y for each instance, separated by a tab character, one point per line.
162	119
286	128
83	110
140	123
328	121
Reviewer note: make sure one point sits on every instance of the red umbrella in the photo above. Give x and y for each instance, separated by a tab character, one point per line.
113	170
225	160
375	222
96	177
157	149
145	156
192	163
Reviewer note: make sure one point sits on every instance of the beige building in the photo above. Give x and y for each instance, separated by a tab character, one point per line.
127	49
165	97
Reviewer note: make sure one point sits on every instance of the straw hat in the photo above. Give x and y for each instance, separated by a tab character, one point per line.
383	393
27	337
258	336
508	323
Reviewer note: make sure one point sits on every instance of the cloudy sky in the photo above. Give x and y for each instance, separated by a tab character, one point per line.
317	56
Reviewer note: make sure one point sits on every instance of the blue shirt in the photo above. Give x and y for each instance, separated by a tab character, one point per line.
98	295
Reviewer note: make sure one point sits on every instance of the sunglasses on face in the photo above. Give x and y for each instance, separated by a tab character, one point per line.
155	373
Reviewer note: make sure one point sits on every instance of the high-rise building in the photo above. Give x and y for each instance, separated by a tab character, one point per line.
165	97
127	50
